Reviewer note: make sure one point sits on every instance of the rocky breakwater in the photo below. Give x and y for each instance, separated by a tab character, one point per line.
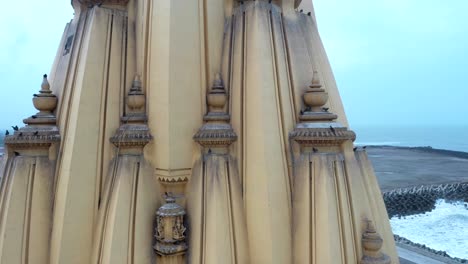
418	200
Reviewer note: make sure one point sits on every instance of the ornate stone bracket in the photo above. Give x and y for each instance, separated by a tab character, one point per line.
40	130
372	243
170	229
317	126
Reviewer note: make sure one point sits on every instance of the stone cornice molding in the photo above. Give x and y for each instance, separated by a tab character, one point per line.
321	136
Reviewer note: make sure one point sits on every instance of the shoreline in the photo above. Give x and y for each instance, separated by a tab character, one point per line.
424	149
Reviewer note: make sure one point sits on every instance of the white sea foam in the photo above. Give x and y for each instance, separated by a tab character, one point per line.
444	228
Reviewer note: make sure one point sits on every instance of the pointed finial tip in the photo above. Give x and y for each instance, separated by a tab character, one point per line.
316	78
137	77
218	81
45	86
370	227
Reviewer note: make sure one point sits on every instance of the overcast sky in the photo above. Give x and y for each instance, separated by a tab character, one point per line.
397	62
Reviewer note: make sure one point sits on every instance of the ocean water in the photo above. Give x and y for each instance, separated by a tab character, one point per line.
439	137
444	228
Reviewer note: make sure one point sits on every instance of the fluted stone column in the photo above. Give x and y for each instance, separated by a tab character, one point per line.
215	205
131	195
27	189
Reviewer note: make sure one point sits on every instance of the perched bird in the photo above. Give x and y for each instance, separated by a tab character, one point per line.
314	150
301	10
302	112
309	13
209	151
34	117
333	129
35	95
354	149
36	133
15	128
16	153
325	109
269	1
7	133
308	109
20	134
364	147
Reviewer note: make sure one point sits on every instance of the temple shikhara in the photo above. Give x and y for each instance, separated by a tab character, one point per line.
190	131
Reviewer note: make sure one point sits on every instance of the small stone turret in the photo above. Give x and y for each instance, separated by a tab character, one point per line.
372	243
217	132
134	133
317	126
315	97
40	130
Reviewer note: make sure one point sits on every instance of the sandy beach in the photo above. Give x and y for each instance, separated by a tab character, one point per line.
401	167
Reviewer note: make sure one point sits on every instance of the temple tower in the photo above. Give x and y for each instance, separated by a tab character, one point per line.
204	131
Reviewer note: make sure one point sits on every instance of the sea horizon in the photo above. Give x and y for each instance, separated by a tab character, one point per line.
446	137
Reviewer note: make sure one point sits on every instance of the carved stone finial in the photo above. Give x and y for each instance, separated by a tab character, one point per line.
40	130
315	97
45	101
170	229
372	243
134	132
216	132
317	126
217	97
136	98
45	86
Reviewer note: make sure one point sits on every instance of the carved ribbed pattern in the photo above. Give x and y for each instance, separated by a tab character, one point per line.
324	229
27	141
215	137
132	136
26	209
215	206
320	137
90	82
123	233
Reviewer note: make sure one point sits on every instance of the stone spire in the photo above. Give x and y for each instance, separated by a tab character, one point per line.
134	132
217	132
372	243
317	126
40	129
